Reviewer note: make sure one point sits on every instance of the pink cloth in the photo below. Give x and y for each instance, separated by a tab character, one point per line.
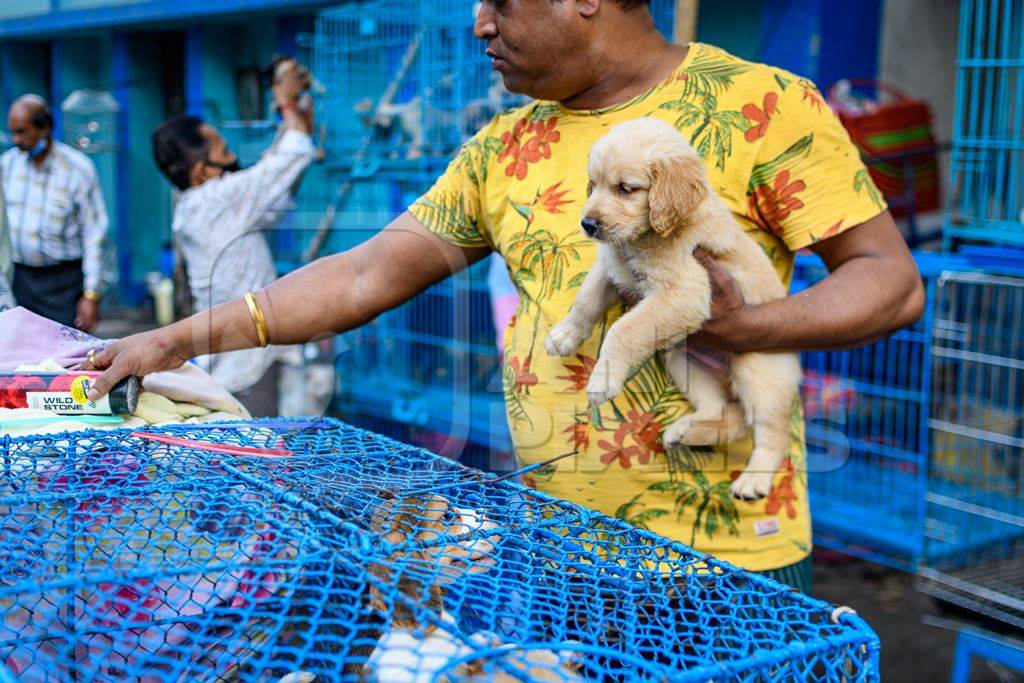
26	338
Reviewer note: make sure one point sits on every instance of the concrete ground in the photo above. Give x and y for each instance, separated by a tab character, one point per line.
912	650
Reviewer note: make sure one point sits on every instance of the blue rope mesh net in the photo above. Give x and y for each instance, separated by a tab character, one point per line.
313	550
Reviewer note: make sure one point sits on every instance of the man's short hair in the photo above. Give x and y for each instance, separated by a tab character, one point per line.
42	117
632	4
178	144
269	71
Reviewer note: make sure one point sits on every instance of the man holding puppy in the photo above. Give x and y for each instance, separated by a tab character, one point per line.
775	154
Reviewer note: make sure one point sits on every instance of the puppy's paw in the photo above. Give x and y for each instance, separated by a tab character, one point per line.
686	432
604	385
563	339
752	485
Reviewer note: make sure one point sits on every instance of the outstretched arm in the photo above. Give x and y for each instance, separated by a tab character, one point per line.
330	295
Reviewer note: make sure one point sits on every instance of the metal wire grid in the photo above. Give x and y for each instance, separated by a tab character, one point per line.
977	489
987	188
123	558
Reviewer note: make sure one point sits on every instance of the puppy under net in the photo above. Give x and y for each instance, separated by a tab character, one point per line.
356	556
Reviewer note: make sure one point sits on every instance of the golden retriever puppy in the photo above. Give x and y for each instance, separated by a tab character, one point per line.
649	206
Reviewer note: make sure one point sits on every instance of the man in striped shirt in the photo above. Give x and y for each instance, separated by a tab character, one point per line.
56	217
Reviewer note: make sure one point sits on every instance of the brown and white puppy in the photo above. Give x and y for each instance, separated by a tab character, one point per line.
649	206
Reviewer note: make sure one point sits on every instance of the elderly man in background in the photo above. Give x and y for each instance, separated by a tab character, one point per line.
56	217
219	218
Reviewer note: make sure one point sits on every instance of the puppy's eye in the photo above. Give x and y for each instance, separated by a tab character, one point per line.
626	189
590	187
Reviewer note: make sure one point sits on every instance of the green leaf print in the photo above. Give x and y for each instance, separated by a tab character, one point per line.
543	112
447	216
475	156
862	181
711	73
713	504
525	275
577	280
641	518
522	209
763	173
513	402
783	81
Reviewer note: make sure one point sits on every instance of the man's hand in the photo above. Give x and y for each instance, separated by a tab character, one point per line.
87	315
290	80
138	355
727	325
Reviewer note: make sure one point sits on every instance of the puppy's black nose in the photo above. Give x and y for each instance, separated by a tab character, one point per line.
590	226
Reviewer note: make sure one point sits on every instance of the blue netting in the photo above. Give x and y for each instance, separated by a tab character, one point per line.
124	558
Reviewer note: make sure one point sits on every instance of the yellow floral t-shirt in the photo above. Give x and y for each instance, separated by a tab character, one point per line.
779	158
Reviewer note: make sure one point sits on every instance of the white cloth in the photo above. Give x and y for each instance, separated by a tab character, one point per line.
218	226
55	211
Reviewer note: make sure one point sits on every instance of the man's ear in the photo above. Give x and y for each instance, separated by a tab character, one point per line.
587	8
677	189
198	174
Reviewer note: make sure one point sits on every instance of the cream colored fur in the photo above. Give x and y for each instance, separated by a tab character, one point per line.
651	200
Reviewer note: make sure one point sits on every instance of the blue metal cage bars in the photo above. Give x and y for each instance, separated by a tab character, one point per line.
326	549
987	188
873	453
977	466
406	83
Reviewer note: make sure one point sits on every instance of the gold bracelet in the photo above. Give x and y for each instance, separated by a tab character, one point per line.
92	295
262	333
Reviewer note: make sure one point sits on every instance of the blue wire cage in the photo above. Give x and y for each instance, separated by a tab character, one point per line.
299	219
977	467
311	550
987	189
874	457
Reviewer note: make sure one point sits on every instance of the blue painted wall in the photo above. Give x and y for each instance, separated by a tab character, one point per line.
823	40
22	8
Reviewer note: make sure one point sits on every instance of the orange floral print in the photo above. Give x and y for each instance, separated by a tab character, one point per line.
645	431
621	452
773	203
759	117
522	151
522	378
812	96
832	231
782	495
551	199
579	375
579	435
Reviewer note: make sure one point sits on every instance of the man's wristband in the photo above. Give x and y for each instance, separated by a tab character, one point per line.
92	295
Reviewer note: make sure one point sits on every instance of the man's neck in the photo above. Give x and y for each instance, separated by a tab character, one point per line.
625	72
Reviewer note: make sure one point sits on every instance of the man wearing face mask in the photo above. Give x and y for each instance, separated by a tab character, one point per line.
219	218
56	218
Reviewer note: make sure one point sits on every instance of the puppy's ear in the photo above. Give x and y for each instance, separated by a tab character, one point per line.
677	189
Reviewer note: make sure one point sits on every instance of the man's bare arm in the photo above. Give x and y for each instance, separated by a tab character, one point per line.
330	295
872	290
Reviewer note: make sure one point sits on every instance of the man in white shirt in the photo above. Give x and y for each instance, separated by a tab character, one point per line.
218	222
56	218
